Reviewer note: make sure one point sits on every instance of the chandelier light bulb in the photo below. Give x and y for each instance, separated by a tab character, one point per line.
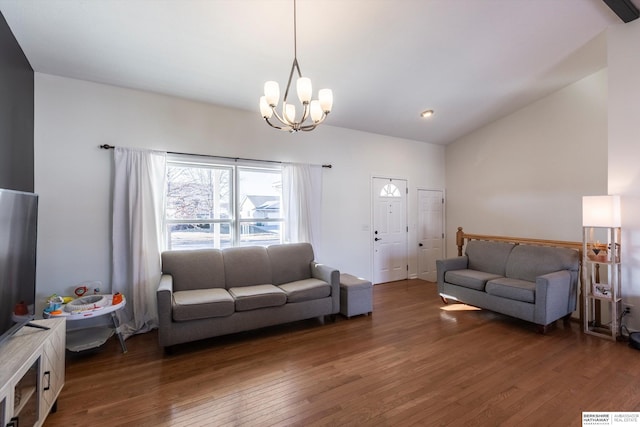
316	111
265	109
272	93
326	100
303	85
290	113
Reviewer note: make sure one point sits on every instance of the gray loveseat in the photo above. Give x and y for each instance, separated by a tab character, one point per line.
211	292
534	283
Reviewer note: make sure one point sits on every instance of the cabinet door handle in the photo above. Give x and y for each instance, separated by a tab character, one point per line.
47	379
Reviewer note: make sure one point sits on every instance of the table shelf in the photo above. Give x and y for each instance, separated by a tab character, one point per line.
601	267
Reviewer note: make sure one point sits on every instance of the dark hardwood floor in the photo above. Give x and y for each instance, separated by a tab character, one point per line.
413	362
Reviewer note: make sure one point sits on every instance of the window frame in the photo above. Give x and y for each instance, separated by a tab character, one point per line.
235	219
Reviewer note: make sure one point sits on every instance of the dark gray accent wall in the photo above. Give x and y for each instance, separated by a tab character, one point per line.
16	114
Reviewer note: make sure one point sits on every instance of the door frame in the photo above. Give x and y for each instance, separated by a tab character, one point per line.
444	222
371	220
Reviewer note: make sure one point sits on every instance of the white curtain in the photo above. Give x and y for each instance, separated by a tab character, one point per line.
302	202
138	199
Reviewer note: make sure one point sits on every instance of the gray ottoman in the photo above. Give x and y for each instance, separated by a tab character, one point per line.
355	295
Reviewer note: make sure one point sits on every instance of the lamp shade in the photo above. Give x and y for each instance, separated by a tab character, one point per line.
304	88
316	111
601	211
265	110
325	96
272	93
289	113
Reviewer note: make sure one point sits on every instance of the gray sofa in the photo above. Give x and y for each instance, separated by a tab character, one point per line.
534	283
211	292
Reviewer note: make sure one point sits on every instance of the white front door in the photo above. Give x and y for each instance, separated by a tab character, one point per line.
389	230
430	232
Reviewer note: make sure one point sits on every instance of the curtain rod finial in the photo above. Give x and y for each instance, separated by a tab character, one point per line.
106	146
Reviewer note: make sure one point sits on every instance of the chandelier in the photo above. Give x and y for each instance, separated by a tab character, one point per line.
317	109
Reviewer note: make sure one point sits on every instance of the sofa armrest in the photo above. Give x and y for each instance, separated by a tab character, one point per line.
164	297
332	277
448	264
553	297
166	283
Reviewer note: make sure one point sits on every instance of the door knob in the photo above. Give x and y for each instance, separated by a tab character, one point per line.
420	244
376	239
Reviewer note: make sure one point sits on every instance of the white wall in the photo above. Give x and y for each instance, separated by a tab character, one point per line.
525	174
624	152
73	176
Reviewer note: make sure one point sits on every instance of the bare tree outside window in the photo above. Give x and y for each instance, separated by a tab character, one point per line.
196	192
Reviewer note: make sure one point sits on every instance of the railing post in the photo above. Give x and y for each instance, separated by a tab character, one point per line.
460	240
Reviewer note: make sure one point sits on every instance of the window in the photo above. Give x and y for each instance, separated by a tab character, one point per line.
260	198
217	205
390	190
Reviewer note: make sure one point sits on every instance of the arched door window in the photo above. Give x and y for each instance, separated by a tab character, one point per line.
390	190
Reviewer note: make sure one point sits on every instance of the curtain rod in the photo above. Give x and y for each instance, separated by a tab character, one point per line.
110	147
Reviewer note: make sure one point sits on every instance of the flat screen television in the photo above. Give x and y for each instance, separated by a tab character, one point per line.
18	237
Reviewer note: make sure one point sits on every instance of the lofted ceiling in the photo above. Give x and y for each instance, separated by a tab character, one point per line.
472	61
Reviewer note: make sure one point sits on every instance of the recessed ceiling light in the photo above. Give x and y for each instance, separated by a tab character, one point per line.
426	113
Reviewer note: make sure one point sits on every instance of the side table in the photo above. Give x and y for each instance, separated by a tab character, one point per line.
84	339
355	295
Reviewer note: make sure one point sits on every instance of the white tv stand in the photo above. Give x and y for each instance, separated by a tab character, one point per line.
32	373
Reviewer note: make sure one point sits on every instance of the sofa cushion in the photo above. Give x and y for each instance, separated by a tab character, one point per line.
490	257
194	269
246	266
290	262
202	304
257	296
305	290
514	289
472	279
526	262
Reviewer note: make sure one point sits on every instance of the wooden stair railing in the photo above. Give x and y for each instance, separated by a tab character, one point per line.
462	238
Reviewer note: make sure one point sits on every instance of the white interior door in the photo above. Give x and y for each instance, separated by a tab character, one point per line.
430	232
389	230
